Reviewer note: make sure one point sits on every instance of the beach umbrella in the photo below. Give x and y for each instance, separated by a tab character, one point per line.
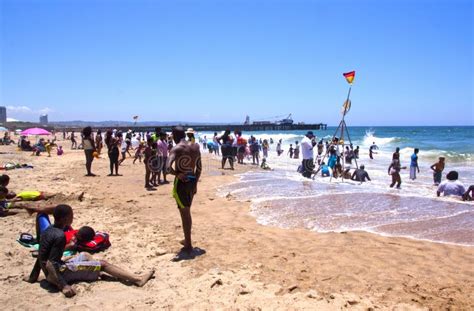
3	129
35	131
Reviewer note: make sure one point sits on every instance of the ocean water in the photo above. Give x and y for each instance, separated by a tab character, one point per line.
283	198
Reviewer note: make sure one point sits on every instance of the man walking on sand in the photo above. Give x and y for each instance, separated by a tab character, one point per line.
184	162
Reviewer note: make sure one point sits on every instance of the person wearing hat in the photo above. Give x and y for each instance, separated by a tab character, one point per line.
190	135
451	186
307	145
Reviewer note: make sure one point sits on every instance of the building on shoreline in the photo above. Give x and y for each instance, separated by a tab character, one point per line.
43	119
3	115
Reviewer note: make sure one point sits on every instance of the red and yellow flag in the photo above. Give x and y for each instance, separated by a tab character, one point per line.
349	76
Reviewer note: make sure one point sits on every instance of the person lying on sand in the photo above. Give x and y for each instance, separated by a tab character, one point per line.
6	207
82	267
34	195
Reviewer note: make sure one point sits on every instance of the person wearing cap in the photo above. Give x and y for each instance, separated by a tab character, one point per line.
451	186
190	135
307	145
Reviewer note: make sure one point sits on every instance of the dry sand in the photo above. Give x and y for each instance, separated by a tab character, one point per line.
247	266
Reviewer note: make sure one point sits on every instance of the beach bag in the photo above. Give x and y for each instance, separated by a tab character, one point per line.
99	243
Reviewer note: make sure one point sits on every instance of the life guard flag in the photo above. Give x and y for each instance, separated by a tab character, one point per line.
349	76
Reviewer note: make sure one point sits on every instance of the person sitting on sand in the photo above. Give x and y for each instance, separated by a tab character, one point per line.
73	237
5	206
60	151
451	186
265	166
360	174
81	267
5	181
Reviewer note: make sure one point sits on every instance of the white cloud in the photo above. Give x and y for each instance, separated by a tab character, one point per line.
19	109
45	110
28	110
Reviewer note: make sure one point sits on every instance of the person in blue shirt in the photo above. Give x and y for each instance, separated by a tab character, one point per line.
414	164
325	170
332	159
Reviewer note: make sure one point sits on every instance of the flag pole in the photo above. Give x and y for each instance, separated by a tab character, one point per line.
347	101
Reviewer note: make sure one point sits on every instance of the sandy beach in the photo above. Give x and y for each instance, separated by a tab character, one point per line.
246	265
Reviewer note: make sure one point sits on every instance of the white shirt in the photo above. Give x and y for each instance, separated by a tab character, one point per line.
449	187
307	148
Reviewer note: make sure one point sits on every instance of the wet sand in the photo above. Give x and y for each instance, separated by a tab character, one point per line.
246	265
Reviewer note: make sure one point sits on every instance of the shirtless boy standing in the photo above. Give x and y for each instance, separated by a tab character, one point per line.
184	162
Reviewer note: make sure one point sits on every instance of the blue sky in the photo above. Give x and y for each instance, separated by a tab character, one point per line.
217	61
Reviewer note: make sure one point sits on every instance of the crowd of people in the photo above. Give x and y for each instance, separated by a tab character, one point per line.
340	164
162	154
178	153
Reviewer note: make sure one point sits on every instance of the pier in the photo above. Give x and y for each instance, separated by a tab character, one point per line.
167	127
206	128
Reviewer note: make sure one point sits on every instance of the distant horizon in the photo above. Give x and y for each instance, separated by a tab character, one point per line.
171	123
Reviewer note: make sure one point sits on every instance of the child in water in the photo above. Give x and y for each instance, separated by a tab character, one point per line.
290	151
438	168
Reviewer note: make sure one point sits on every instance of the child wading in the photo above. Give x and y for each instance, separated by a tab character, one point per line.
438	168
